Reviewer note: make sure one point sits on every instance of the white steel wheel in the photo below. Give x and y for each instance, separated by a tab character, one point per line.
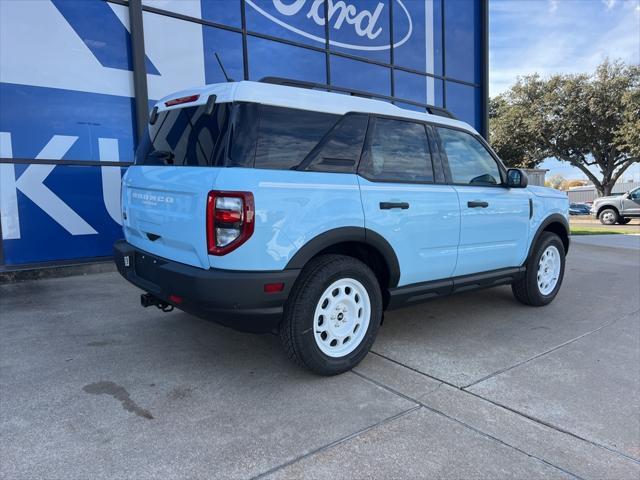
549	270
341	317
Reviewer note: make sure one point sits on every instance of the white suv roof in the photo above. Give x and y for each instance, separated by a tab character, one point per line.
302	98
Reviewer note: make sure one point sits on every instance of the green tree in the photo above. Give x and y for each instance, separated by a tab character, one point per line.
585	120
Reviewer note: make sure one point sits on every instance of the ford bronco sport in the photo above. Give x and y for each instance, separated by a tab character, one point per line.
270	207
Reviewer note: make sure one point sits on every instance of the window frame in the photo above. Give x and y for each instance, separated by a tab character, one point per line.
445	159
366	152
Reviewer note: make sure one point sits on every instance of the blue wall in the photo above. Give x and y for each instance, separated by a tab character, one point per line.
67	114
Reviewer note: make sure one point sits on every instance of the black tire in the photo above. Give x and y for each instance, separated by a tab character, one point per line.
624	221
608	216
526	290
297	331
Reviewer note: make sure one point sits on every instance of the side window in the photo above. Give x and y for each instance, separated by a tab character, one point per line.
469	161
287	135
341	148
399	153
243	134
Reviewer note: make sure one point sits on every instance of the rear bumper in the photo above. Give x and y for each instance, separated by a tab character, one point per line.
231	297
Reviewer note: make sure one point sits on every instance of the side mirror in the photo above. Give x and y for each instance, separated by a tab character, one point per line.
516	178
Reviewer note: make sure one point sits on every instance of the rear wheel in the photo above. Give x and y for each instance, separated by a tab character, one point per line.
544	272
608	216
332	316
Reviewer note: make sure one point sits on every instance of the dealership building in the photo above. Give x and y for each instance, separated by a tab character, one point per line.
78	78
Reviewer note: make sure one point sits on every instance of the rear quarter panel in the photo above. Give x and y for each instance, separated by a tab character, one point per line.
291	209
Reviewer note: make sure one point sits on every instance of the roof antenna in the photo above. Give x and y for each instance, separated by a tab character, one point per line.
224	72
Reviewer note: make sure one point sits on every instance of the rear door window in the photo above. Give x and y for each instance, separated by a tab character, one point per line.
399	152
286	135
186	136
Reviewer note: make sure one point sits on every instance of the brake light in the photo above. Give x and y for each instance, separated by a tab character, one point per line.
230	220
178	101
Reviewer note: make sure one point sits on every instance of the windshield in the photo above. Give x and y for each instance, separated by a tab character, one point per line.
186	136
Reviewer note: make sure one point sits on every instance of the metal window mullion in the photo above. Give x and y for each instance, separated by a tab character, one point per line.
138	55
245	50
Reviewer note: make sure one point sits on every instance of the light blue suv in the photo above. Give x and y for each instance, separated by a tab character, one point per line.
270	207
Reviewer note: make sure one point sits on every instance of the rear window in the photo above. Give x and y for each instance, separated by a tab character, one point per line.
186	136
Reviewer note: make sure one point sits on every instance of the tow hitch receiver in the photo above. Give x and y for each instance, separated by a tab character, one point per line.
148	300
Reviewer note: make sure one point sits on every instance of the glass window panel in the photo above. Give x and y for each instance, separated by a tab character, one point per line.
464	102
288	135
228	45
469	161
362	76
286	19
226	12
462	39
419	88
340	150
399	153
186	136
360	27
421	49
268	58
191	8
176	47
88	117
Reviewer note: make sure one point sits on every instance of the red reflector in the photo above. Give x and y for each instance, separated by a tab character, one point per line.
273	287
228	216
175	299
178	101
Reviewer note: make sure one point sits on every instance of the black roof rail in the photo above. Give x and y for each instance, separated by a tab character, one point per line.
432	109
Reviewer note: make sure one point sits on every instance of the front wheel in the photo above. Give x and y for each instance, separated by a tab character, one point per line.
544	272
332	316
608	216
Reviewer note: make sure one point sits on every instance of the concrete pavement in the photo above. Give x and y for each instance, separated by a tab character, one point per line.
473	386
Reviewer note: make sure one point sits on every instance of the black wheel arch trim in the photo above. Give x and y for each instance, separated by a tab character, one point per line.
348	234
553	218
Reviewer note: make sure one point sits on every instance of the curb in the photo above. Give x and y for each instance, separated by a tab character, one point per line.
57	271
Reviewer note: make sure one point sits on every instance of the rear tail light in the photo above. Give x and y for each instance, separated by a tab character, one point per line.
230	220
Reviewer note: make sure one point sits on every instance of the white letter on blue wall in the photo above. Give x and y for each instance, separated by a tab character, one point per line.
30	183
111	178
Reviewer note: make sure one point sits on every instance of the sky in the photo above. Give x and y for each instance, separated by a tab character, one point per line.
560	36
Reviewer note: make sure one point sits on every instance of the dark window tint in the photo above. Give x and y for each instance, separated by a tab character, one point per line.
243	134
286	136
469	161
340	149
399	152
186	136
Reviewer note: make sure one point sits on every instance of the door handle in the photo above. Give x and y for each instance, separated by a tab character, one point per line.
390	205
477	203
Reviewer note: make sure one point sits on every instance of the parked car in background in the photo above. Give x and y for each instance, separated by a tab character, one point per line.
307	213
579	209
617	209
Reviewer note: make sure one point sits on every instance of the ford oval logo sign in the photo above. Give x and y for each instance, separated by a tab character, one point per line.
365	23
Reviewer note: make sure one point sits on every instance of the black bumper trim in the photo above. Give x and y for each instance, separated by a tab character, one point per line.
231	297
